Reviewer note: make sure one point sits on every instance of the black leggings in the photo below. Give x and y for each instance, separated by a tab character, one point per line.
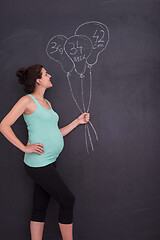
49	183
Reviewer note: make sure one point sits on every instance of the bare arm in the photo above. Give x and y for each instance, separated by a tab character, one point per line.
82	119
65	130
5	125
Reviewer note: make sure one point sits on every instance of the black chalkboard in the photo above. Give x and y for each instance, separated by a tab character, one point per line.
115	174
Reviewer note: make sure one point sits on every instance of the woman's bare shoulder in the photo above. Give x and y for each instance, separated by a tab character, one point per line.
25	99
25	102
16	111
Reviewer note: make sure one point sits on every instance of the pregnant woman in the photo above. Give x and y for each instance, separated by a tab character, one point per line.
45	143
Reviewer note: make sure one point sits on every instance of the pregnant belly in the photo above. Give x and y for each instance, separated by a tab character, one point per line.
53	142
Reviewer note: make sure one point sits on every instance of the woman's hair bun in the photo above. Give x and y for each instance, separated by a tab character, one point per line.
21	75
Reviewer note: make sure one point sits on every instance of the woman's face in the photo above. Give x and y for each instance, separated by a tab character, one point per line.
45	79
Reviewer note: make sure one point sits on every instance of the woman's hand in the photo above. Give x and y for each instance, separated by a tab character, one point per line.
37	148
83	118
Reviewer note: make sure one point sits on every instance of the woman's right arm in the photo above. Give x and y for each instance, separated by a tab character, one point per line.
5	126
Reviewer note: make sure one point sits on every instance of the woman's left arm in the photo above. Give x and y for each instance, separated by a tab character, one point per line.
82	119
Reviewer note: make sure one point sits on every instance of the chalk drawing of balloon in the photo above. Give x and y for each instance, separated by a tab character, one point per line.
99	35
78	48
55	50
79	53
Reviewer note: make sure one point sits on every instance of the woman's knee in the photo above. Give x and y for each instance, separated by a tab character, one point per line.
38	215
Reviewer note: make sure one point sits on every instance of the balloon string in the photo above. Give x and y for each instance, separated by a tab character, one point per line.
86	126
90	91
72	94
81	77
90	138
82	112
90	94
93	129
86	138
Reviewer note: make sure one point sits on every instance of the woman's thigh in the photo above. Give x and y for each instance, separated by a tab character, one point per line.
40	197
49	179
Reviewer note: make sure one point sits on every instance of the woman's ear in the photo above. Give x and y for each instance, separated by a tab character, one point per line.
38	80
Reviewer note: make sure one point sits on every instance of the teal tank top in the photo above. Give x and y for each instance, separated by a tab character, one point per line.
42	127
